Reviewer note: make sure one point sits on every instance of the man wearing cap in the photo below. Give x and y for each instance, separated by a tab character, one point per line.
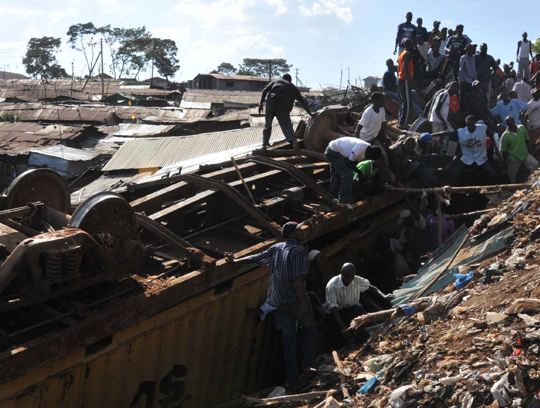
515	149
343	154
508	107
405	30
405	82
289	266
467	75
280	96
455	48
472	141
524	50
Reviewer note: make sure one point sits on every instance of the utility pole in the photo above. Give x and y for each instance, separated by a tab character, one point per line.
72	78
152	70
102	74
270	70
296	75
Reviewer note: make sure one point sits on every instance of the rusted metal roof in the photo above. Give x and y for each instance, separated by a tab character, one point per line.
238	77
35	112
158	152
19	137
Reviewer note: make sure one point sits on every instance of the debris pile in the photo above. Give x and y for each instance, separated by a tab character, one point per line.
476	343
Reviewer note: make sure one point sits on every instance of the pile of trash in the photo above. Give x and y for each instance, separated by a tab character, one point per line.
475	343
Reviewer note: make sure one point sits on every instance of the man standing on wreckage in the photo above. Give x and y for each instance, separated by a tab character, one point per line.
280	96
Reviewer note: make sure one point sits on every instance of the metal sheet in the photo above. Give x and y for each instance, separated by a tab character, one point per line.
142	130
154	153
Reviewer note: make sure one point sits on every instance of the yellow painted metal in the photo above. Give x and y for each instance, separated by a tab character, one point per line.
195	354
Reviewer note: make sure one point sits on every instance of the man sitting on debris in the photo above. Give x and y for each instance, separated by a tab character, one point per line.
343	296
280	96
508	107
372	119
343	154
472	141
405	30
515	150
289	265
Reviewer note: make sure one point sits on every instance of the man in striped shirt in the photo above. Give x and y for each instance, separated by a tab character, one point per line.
289	266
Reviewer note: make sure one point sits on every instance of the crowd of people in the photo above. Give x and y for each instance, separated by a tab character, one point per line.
484	119
485	123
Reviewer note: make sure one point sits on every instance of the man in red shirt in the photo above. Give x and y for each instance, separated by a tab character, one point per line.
405	81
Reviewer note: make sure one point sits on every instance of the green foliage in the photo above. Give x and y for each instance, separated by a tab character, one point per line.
226	68
164	54
40	59
134	51
264	67
536	46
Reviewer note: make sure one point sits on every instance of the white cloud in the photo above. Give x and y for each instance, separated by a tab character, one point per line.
279	5
210	14
339	8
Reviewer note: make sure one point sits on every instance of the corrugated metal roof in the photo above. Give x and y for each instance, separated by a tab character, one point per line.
215	96
19	137
64	152
146	153
143	130
195	105
238	77
32	112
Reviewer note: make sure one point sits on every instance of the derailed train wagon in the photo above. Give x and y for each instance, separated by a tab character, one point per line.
129	300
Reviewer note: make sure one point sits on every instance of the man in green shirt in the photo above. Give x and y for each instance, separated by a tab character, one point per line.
515	150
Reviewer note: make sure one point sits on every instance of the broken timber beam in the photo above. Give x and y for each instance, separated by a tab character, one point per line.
262	402
464	189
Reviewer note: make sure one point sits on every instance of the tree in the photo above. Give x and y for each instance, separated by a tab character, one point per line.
40	60
164	55
226	68
81	37
264	67
135	50
536	46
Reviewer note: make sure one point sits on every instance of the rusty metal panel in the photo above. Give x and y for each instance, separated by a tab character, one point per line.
196	354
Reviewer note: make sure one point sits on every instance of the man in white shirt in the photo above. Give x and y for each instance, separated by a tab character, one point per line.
524	50
472	141
523	90
343	296
438	115
343	153
372	119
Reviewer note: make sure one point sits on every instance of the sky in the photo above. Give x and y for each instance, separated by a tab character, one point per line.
326	40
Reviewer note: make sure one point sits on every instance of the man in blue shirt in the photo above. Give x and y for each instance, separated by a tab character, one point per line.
508	107
405	30
289	266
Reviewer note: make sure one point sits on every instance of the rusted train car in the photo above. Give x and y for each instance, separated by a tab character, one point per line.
135	305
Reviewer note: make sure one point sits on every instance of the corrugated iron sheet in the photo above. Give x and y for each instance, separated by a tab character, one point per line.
143	130
18	137
146	153
35	112
219	97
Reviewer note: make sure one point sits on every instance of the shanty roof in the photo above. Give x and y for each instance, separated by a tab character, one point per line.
19	137
158	152
222	97
11	75
64	152
237	77
36	112
143	130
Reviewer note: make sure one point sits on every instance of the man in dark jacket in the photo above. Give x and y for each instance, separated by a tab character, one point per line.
280	96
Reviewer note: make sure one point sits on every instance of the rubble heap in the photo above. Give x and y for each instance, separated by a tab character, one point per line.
476	343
